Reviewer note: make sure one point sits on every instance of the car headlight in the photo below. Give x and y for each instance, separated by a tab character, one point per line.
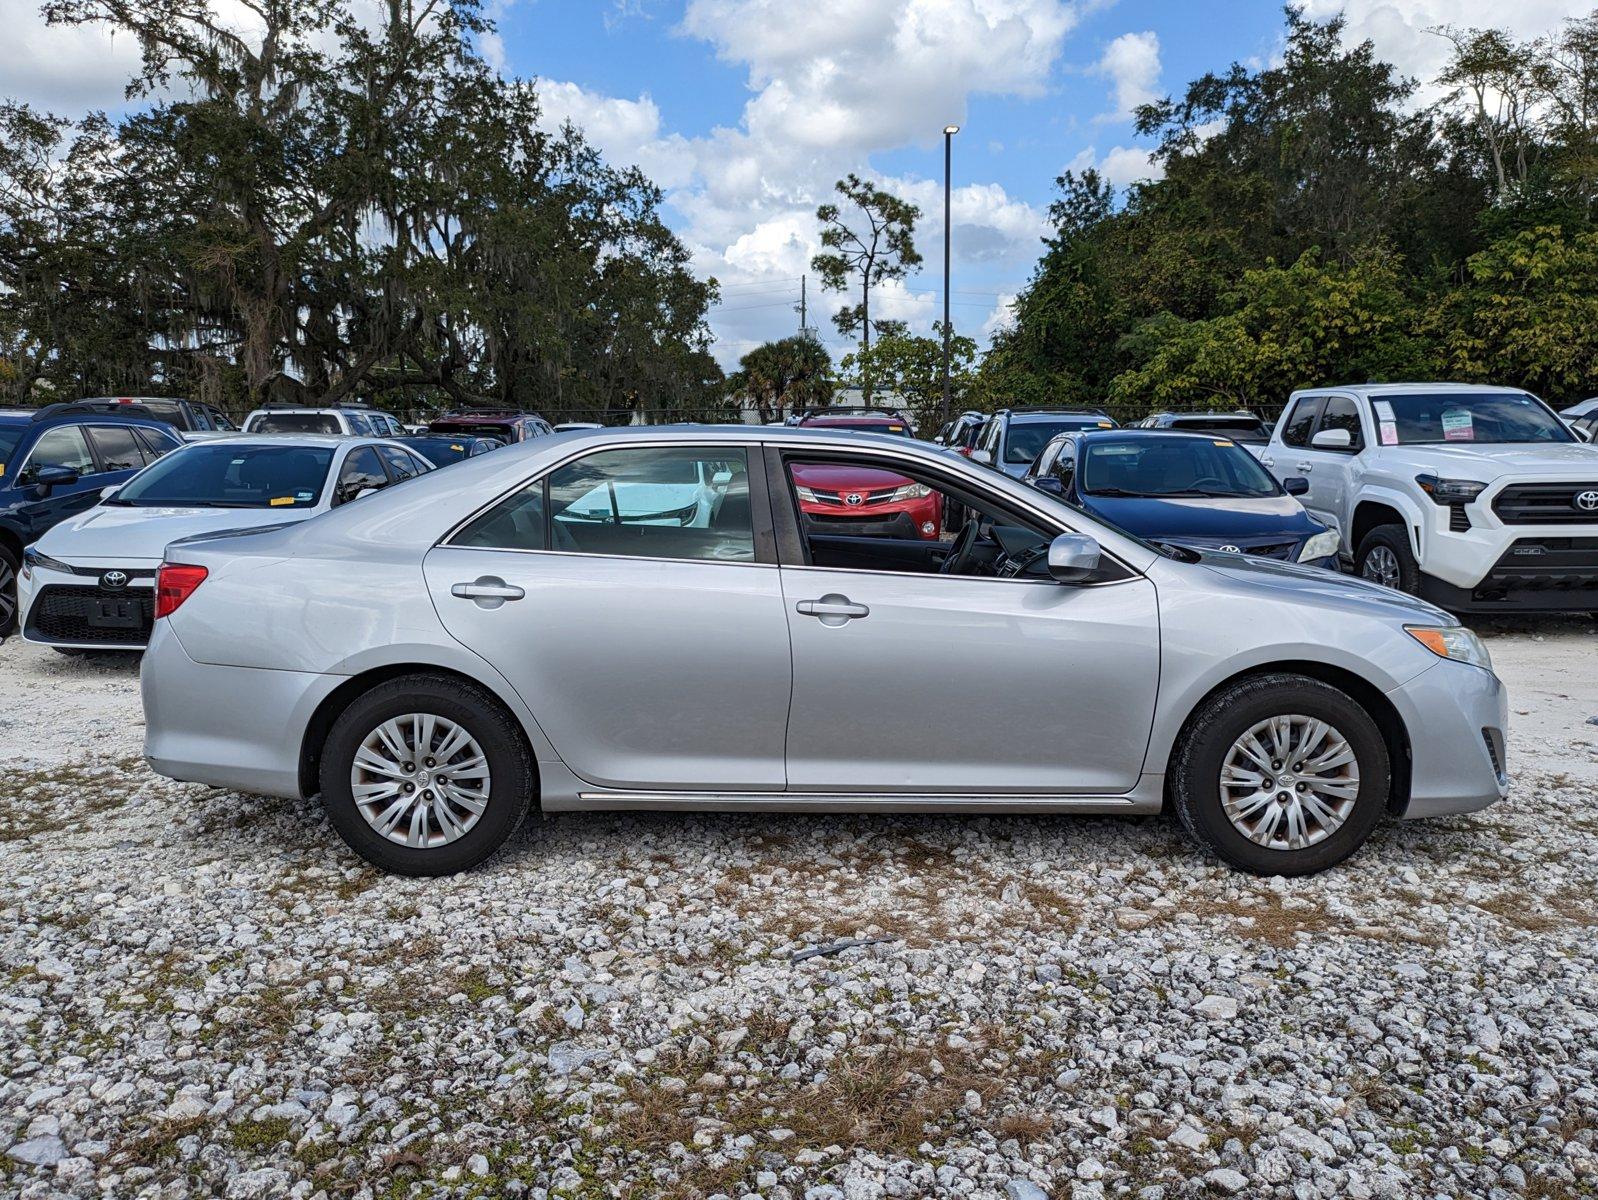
911	491
1450	491
33	560
804	494
1452	641
1322	545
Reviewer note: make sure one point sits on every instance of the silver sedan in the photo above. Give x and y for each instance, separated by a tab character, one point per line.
631	619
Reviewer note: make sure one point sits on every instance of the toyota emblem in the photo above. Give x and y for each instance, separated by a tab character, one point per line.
854	498
1587	501
114	581
1230	549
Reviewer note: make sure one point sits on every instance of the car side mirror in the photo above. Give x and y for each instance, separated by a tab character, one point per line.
1048	483
107	492
51	478
983	457
1332	439
1073	557
1295	485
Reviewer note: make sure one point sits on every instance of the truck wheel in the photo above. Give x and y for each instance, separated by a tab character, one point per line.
1384	557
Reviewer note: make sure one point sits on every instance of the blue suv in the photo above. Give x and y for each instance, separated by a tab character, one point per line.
54	461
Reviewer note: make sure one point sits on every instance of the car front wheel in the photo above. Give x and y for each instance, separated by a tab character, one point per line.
426	775
8	591
1281	775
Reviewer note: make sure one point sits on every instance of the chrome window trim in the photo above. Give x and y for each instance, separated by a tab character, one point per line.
710	562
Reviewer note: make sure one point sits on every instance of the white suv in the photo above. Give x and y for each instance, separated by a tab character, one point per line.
1477	498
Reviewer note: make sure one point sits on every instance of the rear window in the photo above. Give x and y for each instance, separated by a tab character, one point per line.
293	422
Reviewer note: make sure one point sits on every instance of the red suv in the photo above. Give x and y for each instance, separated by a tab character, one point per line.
866	501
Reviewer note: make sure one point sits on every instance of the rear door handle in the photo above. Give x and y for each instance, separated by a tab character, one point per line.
1306	467
833	609
1268	462
489	591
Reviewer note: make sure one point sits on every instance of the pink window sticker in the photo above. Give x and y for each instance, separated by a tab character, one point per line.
1389	433
1458	426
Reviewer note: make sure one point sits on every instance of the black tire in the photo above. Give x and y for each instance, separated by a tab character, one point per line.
1394	540
8	591
512	785
1224	718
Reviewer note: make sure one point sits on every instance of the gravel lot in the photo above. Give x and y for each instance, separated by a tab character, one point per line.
206	995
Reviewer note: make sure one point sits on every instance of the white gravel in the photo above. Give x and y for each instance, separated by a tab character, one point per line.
206	995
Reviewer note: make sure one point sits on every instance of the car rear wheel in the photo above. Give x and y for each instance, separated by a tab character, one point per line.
1384	557
8	591
1281	775
426	775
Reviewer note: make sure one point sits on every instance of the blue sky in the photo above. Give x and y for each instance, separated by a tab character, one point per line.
746	111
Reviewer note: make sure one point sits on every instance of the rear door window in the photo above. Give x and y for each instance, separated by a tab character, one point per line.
119	449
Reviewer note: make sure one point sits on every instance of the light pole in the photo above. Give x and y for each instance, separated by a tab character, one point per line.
948	157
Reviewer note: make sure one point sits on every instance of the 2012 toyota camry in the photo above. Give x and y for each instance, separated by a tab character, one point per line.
441	658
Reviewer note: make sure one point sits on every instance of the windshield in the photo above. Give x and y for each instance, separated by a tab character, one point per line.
1027	438
10	435
1244	429
292	422
1422	419
217	475
1152	466
441	451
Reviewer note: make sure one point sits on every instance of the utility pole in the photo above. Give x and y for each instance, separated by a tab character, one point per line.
948	158
804	324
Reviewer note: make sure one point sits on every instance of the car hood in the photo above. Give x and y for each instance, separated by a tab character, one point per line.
1315	584
1204	517
832	478
1486	462
117	534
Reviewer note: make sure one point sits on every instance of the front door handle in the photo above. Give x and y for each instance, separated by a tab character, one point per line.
833	609
1267	462
488	591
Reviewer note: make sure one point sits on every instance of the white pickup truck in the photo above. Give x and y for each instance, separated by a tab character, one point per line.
1479	499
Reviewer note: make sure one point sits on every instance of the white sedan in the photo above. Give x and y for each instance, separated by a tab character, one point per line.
89	582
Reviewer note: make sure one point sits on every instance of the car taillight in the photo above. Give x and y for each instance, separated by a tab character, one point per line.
175	583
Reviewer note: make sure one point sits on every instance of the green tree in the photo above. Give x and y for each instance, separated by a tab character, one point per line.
911	368
862	258
782	377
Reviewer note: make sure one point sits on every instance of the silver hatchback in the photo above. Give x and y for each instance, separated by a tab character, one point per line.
660	619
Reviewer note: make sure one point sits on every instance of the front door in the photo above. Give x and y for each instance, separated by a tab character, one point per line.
61	447
1328	471
624	599
935	672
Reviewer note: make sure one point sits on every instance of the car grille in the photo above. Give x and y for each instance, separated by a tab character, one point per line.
1544	504
61	614
1544	564
881	496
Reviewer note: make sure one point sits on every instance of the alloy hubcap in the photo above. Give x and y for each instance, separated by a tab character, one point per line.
8	595
420	780
1289	782
1381	566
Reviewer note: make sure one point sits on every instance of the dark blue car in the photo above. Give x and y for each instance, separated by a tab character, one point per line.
1201	491
53	463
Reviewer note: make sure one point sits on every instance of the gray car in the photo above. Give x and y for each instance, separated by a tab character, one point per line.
645	619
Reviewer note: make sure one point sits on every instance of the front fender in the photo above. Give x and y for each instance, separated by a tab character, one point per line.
1414	516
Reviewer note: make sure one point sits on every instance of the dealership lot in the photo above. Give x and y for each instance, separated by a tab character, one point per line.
207	994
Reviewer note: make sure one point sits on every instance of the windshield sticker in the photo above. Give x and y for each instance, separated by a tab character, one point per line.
280	501
458	449
1389	433
305	497
1106	424
1384	410
1458	426
1217	442
1103	450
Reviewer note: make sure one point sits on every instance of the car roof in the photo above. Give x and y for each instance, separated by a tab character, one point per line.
1365	389
1163	436
1055	414
825	419
329	441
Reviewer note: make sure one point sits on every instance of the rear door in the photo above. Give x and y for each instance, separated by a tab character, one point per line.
637	612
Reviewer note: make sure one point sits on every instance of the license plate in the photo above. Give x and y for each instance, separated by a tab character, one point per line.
116	614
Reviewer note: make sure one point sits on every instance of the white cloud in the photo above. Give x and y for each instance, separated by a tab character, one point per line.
627	132
1120	165
1132	65
1398	30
